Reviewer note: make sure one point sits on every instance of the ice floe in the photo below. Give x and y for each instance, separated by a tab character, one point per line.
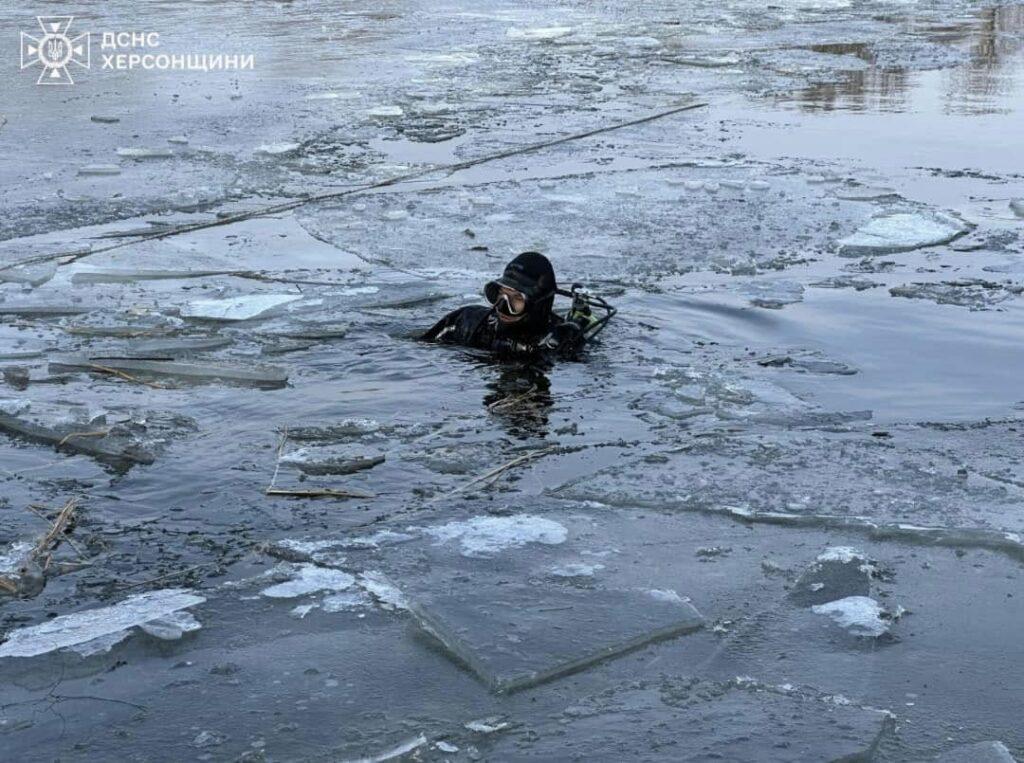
903	232
237	308
83	627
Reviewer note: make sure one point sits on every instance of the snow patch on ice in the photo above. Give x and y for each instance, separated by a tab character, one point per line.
860	615
310	578
482	536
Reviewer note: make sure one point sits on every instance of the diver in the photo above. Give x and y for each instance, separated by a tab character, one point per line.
521	321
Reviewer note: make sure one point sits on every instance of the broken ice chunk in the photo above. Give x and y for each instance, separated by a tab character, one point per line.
42	311
30	275
865	193
383	112
327	460
516	636
1017	207
81	627
301	610
101	644
123	275
539	33
860	615
838	572
309	578
108	448
242	308
275	149
488	725
481	536
903	232
23	353
171	627
972	293
177	347
399	751
268	377
99	169
145	153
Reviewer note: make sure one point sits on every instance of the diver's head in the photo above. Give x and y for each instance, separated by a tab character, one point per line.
525	293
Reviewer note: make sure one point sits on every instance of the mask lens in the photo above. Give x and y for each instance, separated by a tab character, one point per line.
516	302
505	300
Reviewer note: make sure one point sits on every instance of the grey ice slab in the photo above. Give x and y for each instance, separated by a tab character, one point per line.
689	720
259	376
518	636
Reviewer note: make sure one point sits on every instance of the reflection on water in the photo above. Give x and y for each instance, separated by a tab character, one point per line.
989	81
519	399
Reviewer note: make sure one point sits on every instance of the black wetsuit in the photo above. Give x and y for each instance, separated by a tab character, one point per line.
478	327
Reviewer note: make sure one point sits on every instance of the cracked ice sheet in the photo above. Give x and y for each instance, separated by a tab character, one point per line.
580	221
83	627
484	586
809	474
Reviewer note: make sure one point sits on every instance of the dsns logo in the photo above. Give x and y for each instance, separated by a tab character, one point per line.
55	50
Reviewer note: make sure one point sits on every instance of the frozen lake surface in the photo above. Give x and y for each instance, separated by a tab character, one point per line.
777	513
